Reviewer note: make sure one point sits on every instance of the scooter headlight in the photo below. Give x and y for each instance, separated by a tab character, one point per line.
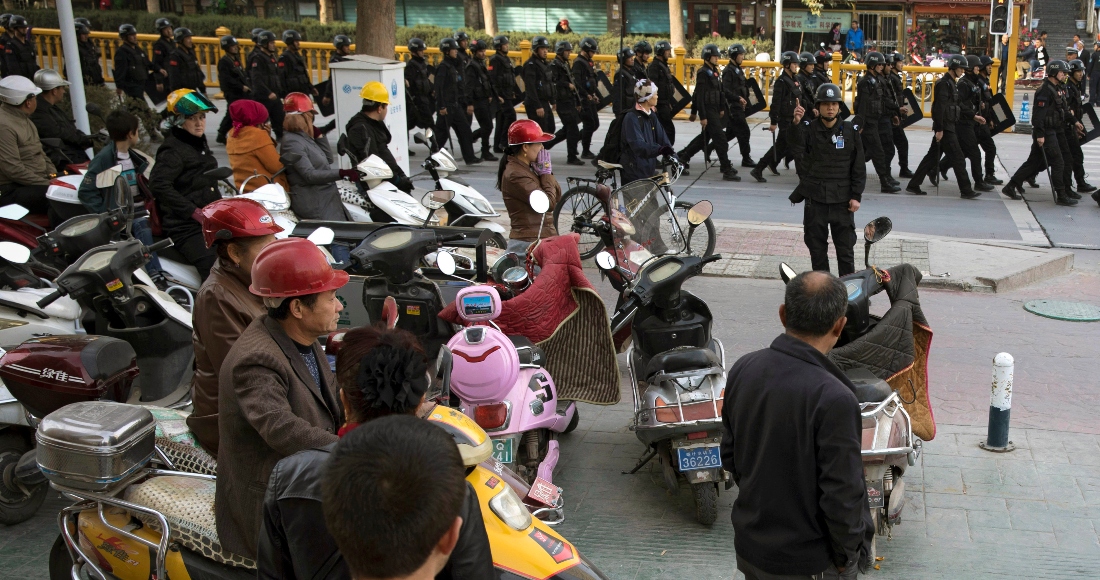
508	507
480	205
445	161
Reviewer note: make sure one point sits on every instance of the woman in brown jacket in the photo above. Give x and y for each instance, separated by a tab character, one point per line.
237	229
526	168
250	147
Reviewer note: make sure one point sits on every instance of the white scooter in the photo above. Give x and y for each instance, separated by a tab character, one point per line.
373	199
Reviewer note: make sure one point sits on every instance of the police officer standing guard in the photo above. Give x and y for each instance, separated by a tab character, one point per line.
945	113
233	81
483	96
503	75
659	73
832	173
538	86
567	101
1049	145
736	88
267	83
452	101
709	104
785	99
584	74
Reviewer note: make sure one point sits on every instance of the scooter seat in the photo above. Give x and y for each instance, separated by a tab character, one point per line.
529	354
606	165
869	388
681	358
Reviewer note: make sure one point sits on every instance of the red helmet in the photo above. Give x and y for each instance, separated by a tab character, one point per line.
293	267
526	131
298	103
238	217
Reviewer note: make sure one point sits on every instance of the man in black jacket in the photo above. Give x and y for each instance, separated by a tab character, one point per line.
162	53
484	97
567	101
368	135
735	85
622	87
452	101
870	107
133	70
53	123
1049	147
708	104
267	83
785	97
584	74
184	71
19	54
659	73
89	56
538	85
945	113
791	439
418	87
292	66
502	73
642	51
234	82
970	118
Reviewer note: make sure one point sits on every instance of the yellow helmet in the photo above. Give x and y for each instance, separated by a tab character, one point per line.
375	91
186	102
473	444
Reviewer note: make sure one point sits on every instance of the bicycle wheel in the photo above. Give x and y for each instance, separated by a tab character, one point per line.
702	240
577	206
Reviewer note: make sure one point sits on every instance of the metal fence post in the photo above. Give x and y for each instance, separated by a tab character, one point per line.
1000	406
678	59
835	69
524	50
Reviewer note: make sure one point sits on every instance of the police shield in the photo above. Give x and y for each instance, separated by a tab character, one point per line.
603	89
915	112
756	101
1091	121
845	112
681	98
1000	114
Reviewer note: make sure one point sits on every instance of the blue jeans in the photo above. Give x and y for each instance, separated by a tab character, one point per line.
141	231
340	252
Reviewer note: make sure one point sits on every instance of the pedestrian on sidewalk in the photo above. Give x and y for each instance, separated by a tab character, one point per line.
791	440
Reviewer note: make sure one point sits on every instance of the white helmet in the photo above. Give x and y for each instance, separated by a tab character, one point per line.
48	79
15	89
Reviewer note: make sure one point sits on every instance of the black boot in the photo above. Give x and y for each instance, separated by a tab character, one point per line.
934	178
730	174
992	179
588	155
983	186
1060	198
887	187
747	162
892	180
943	173
487	156
970	194
1013	190
220	139
758	175
1085	187
1072	194
915	189
1032	183
574	161
905	172
1096	197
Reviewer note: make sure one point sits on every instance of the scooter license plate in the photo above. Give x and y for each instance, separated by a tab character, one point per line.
502	450
701	457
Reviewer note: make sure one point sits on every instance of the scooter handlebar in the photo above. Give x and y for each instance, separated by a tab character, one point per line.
624	314
452	238
50	298
165	243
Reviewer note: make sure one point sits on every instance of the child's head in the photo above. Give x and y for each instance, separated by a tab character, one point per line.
122	127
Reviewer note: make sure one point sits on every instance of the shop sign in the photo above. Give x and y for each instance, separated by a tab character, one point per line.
805	21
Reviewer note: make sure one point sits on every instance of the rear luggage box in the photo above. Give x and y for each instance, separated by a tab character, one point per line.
94	445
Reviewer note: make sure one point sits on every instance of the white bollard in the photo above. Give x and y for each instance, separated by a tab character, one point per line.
1000	405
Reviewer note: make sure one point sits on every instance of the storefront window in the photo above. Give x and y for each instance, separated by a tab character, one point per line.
954	34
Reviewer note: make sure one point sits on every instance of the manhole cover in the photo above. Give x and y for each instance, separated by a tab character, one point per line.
1063	310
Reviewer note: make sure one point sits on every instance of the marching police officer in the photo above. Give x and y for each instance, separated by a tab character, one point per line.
785	99
1049	145
133	69
945	113
484	97
502	73
184	71
709	104
267	82
661	75
463	40
808	81
538	85
567	101
821	70
1075	90
832	173
296	77
970	102
89	56
19	54
642	50
452	101
870	106
418	88
622	88
341	43
985	130
233	81
737	96
162	53
895	64
584	74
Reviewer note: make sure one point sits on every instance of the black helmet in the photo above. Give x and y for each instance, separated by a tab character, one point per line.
956	61
182	33
540	42
709	51
806	58
874	59
4	19
478	46
83	21
589	44
734	50
624	53
823	57
829	93
972	62
228	41
292	35
126	30
461	35
892	58
162	23
17	21
661	47
446	44
501	40
265	37
342	41
643	47
256	34
416	44
986	60
82	28
1056	67
788	58
1076	65
563	45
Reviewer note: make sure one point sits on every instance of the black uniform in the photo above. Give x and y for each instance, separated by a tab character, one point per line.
296	77
832	171
20	58
328	94
736	88
539	91
53	123
184	71
1048	120
452	95
233	81
970	103
263	73
659	73
786	93
503	75
133	71
1093	74
484	99
945	113
568	102
584	74
162	52
886	121
622	89
639	70
709	102
870	105
901	142
1074	91
418	94
985	133
5	38
90	68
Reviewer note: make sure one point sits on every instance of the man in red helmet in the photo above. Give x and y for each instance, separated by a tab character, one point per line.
277	395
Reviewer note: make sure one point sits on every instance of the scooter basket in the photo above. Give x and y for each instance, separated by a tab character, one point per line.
94	445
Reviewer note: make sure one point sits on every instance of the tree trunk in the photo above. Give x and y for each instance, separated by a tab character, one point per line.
489	10
676	23
472	14
152	6
325	10
376	27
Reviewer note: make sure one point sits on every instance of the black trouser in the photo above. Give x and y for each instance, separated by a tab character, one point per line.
714	138
968	141
134	92
872	148
901	143
989	146
190	244
886	137
738	128
32	197
456	119
1077	155
275	115
664	116
506	115
1094	88
1037	161
751	572
776	153
817	221
483	112
227	121
546	121
949	146
570	131
590	116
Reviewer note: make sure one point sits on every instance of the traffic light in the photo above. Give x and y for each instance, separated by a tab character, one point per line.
1000	17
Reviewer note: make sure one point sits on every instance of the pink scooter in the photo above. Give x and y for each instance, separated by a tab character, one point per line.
499	381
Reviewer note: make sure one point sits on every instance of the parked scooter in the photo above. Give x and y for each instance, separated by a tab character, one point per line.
372	198
677	371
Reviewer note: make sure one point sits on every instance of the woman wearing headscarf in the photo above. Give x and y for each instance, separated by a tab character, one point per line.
524	168
313	192
250	146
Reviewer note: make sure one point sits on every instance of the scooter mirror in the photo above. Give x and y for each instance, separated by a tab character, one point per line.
539	201
93	109
445	262
420	138
15	253
605	261
220	173
786	272
13	212
342	145
322	236
434	200
877	229
699	212
428	134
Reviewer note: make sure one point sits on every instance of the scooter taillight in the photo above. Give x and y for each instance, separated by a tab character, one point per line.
493	416
62	183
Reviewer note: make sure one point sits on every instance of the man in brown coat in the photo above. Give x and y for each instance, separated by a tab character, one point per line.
278	396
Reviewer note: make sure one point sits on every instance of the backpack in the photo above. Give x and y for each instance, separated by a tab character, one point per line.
612	144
